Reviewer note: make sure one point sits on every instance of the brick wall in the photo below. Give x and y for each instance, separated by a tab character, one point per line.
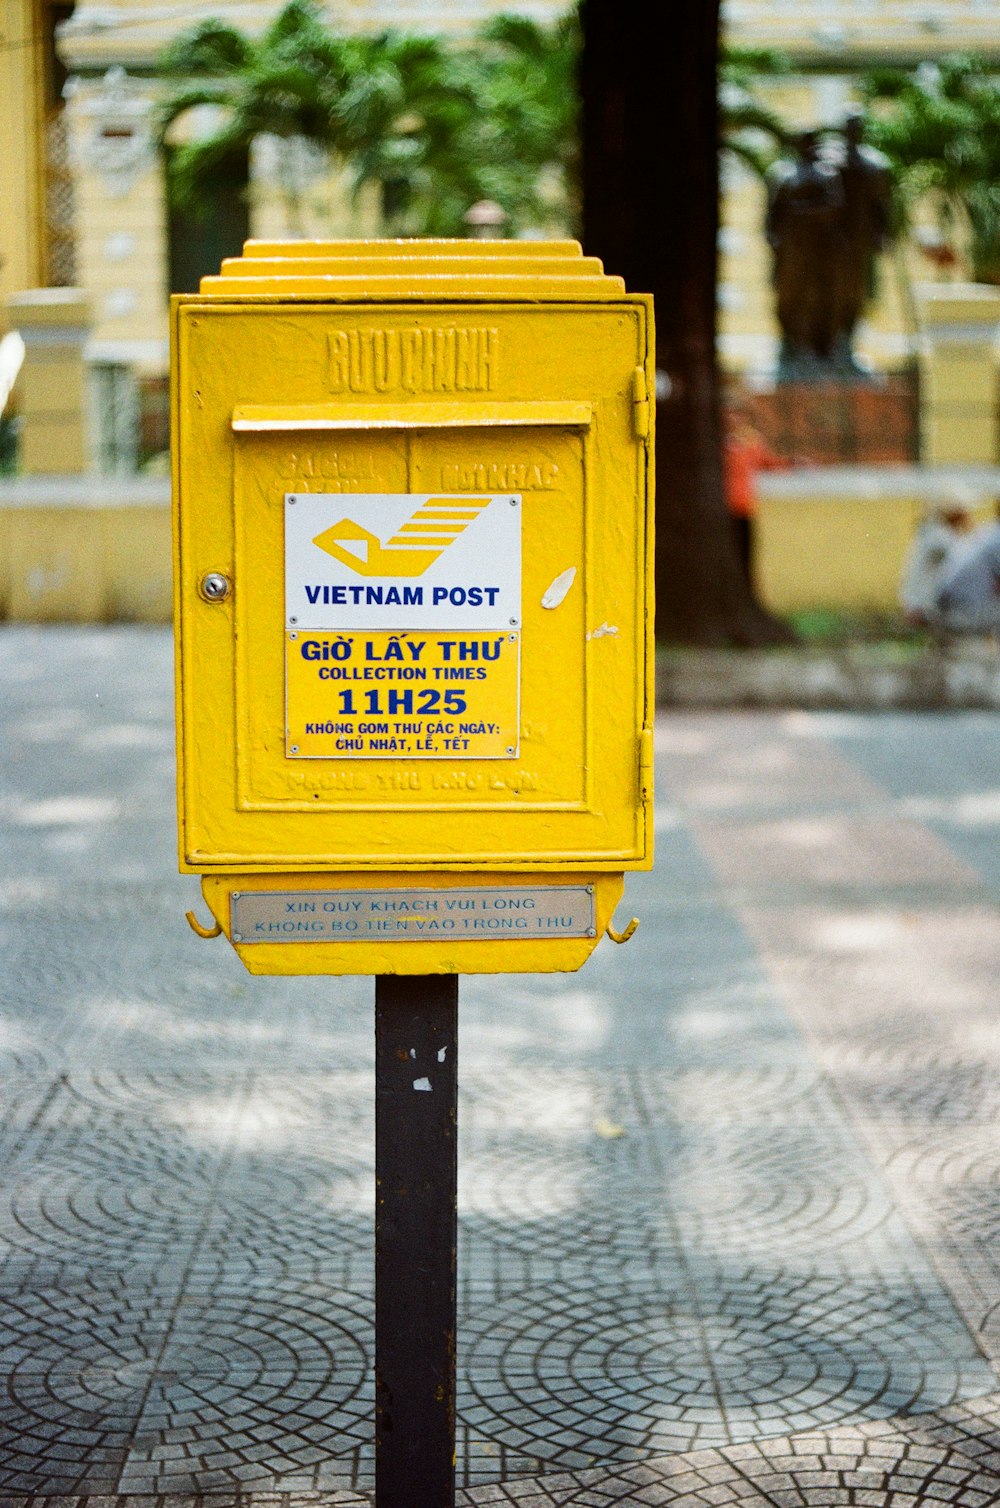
840	424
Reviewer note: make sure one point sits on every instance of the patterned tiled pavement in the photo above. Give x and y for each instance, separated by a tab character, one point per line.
779	1285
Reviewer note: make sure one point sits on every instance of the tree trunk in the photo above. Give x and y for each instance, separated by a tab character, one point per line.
651	212
199	239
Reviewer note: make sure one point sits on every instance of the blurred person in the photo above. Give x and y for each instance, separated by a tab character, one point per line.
968	596
942	530
745	452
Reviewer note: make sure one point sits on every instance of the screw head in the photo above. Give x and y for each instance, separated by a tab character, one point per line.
293	620
237	937
591	931
513	622
294	749
215	587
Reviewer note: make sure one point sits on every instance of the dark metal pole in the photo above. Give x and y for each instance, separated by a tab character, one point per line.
416	1163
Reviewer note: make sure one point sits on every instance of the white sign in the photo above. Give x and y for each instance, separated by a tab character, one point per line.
406	561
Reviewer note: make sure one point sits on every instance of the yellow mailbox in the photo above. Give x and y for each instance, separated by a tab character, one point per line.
413	565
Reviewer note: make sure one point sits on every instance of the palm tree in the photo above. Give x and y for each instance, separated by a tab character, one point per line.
407	116
288	83
435	128
527	138
940	128
438	129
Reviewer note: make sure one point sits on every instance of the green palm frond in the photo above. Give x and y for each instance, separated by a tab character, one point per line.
940	128
748	129
218	159
209	48
189	98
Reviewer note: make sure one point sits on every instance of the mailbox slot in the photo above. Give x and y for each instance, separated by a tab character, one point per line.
255	420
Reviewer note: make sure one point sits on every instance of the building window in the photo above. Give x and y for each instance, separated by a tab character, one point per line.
59	247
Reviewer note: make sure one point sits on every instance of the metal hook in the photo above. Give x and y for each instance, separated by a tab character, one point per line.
623	937
196	926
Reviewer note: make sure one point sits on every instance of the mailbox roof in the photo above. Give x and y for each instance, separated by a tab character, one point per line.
547	271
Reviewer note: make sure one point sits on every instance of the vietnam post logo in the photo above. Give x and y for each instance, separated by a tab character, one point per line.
414	547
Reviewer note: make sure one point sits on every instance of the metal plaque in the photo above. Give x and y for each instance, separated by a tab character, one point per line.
475	914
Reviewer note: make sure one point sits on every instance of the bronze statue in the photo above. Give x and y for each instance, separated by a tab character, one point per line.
828	216
805	220
867	183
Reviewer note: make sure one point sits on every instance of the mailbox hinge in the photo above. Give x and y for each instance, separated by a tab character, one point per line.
646	766
640	403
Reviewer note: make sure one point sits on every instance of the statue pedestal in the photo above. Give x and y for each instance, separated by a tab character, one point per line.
839	423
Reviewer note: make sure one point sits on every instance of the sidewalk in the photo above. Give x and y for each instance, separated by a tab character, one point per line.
863	676
779	1285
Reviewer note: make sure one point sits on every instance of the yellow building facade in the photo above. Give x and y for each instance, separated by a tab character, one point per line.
28	99
78	90
83	198
83	205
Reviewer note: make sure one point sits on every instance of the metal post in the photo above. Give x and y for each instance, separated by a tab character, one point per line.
416	1095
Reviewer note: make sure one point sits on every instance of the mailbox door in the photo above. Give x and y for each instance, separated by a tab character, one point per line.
537	481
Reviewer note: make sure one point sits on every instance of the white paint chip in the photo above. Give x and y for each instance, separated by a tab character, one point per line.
442	1054
559	588
602	632
423	1085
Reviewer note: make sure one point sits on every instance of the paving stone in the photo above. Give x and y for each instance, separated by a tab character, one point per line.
781	1282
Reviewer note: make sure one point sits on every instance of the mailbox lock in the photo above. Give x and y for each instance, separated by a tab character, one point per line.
214	587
